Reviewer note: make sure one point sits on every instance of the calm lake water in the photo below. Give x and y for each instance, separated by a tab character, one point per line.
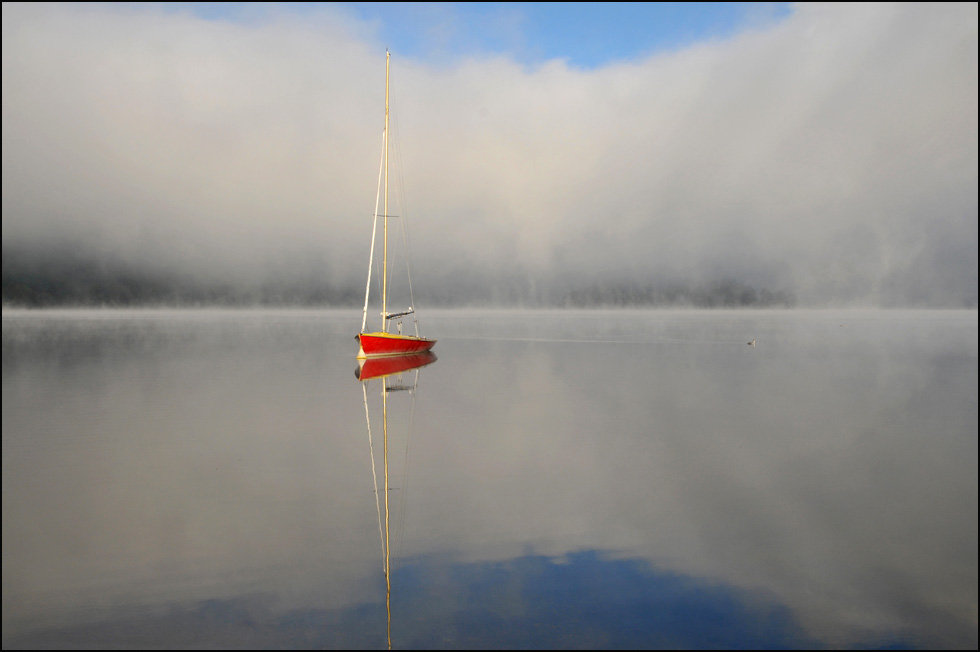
627	479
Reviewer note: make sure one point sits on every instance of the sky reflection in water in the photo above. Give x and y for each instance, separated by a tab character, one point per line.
634	479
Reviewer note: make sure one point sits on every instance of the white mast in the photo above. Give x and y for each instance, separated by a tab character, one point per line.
384	266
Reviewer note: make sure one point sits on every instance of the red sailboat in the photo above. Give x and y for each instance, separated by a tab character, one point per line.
383	342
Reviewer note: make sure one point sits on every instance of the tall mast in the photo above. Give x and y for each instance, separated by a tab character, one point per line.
384	267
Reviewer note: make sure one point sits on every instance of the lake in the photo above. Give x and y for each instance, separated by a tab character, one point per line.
555	479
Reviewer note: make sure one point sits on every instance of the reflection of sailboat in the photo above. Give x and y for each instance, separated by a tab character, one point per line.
385	366
389	371
383	342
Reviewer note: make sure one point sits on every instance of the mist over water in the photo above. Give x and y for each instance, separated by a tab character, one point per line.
155	156
558	478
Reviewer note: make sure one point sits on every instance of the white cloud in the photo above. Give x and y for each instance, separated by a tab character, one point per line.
833	153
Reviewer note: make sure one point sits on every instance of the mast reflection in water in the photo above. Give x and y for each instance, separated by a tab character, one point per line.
391	373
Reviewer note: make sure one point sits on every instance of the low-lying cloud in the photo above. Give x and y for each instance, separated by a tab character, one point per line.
831	155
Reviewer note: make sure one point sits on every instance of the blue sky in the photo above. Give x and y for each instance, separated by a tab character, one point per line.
585	34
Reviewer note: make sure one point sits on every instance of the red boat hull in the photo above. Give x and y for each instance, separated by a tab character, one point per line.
385	344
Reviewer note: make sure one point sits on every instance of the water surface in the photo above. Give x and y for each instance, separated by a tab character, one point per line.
556	479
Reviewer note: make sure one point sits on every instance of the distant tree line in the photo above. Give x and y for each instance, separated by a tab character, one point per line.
79	281
73	280
728	293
